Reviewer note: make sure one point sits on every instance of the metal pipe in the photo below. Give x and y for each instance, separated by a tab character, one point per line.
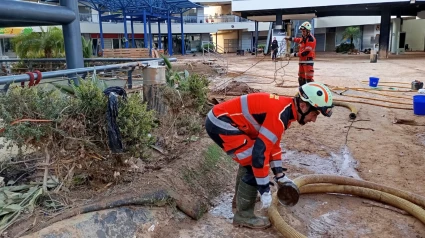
182	34
72	38
159	36
102	42
145	31
36	12
133	41
170	35
85	60
150	37
125	29
59	73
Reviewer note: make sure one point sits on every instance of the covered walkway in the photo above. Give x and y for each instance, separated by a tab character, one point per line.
147	12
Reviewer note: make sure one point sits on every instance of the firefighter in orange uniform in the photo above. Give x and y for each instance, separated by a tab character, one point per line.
306	53
249	129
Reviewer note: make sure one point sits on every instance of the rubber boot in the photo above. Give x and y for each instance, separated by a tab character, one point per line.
241	173
244	216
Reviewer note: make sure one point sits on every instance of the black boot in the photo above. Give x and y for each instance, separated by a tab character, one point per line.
241	173
244	216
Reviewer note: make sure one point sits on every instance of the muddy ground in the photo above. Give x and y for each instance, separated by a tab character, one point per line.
371	148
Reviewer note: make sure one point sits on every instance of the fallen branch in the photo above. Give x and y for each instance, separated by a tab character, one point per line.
360	128
46	169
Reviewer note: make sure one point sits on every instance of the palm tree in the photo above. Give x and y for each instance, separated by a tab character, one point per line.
352	33
44	44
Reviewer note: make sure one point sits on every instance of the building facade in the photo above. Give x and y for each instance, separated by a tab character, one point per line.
217	23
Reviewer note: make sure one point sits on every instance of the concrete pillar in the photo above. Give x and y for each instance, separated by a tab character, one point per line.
288	33
395	38
256	37
384	34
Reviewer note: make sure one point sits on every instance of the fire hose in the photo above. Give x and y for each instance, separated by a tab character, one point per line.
307	184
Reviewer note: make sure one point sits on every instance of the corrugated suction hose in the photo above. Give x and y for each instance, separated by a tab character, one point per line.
353	109
318	183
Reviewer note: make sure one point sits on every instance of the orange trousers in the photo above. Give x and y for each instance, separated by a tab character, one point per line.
305	73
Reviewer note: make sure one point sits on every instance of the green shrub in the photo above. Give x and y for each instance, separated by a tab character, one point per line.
343	48
136	122
30	103
78	113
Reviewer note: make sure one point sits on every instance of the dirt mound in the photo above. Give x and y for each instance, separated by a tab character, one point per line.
235	88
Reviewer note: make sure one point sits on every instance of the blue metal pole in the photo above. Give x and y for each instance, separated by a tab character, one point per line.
133	42
170	35
125	30
159	35
150	37
102	42
183	43
72	38
145	35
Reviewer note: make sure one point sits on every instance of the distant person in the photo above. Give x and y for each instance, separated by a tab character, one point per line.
275	47
307	48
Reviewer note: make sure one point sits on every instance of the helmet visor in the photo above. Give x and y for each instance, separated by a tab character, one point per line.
326	111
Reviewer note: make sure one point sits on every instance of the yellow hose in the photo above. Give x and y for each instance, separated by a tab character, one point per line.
352	108
316	183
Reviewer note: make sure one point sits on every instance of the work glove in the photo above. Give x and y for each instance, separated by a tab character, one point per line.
293	54
266	199
282	179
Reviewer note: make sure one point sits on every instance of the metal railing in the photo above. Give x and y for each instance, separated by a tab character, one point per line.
211	54
72	73
207	19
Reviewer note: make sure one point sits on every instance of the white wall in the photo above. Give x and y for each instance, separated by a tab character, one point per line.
369	33
338	21
415	34
249	5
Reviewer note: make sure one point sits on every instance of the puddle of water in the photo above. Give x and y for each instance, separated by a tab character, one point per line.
338	164
224	207
341	163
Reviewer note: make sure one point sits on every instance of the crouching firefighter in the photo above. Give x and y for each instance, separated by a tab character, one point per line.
306	53
249	129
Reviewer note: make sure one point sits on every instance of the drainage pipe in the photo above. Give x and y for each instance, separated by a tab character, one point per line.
410	202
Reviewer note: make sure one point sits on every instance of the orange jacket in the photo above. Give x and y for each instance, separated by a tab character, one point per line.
263	117
307	48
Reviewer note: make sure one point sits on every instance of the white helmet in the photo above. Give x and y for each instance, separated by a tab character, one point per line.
318	96
306	25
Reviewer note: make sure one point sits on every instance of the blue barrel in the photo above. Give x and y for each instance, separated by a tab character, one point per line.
373	82
419	105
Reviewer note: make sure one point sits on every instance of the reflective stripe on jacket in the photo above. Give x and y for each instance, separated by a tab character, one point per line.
264	118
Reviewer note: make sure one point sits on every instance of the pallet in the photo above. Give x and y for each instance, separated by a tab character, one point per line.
128	53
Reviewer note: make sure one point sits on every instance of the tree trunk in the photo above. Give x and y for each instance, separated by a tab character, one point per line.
153	81
352	43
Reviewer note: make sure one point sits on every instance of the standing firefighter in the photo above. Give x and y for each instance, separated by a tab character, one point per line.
306	53
249	129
